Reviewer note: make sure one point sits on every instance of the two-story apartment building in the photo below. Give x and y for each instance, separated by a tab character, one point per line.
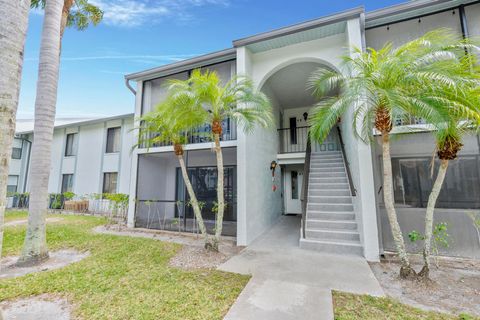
344	211
88	156
342	205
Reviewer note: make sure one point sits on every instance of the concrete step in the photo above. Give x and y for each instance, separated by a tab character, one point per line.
323	170
328	179
328	186
326	153
324	192
326	215
326	165
326	234
332	160
331	207
316	174
332	224
338	247
314	198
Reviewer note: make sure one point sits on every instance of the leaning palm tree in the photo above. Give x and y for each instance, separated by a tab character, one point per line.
237	100
13	29
462	108
56	18
381	86
168	124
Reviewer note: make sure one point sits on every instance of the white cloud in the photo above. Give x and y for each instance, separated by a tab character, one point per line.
133	13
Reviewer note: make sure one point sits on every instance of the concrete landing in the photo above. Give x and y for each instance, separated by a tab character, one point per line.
292	283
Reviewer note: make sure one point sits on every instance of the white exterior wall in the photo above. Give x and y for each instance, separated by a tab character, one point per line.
90	161
258	206
472	13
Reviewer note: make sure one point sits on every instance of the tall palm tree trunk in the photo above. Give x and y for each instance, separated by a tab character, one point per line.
220	195
194	201
406	270
432	200
35	245
13	30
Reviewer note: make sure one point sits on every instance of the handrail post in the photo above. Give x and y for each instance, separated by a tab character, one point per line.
306	174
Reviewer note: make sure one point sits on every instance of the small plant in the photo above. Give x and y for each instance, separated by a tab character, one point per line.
68	195
440	238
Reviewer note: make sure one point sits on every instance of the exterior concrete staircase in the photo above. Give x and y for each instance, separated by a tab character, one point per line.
330	218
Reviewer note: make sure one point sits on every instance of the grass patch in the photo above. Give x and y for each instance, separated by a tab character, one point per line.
349	306
123	278
15	215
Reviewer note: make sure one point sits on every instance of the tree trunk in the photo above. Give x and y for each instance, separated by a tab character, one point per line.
406	270
432	200
67	5
220	196
35	245
194	201
13	30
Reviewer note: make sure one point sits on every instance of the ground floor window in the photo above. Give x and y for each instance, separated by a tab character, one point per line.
12	184
67	183
413	182
110	182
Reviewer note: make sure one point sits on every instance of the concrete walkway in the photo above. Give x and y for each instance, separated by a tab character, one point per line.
291	283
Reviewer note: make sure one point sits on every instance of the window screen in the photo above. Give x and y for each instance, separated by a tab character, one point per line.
113	140
71	145
110	182
413	182
67	183
16	153
12	184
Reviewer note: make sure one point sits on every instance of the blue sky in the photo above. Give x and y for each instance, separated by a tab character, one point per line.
142	34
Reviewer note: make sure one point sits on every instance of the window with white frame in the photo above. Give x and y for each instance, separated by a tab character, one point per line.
113	140
67	183
12	184
71	145
110	182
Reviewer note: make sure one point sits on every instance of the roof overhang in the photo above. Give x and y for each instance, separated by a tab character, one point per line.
410	10
184	65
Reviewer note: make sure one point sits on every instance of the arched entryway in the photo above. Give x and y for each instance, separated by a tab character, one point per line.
292	101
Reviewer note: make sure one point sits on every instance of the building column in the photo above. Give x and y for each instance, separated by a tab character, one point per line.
362	164
134	163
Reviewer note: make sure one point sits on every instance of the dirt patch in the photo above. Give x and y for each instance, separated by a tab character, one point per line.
191	256
455	286
24	221
58	259
42	307
195	257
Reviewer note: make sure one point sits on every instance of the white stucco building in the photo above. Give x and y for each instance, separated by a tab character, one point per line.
343	210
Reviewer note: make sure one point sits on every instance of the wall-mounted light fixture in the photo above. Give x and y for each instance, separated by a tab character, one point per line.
305	116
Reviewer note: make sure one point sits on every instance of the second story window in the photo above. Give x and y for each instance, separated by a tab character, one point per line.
71	145
113	140
16	153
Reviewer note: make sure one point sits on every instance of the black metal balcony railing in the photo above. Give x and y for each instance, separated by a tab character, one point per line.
293	139
201	135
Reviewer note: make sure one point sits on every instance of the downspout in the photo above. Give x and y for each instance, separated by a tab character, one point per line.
463	21
127	83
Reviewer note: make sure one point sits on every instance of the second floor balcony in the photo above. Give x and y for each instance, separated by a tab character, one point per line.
200	135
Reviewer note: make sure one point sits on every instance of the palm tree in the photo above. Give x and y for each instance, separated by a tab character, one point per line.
382	86
13	29
57	17
168	123
462	109
237	100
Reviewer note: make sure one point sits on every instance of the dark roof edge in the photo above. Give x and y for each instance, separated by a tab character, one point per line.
183	65
409	6
337	17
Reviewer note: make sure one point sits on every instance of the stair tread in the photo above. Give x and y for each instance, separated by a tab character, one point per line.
353	243
332	231
326	220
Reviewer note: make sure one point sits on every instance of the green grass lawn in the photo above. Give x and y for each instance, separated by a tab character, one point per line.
363	307
15	215
123	278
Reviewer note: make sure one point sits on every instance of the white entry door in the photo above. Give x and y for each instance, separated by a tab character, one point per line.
293	189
